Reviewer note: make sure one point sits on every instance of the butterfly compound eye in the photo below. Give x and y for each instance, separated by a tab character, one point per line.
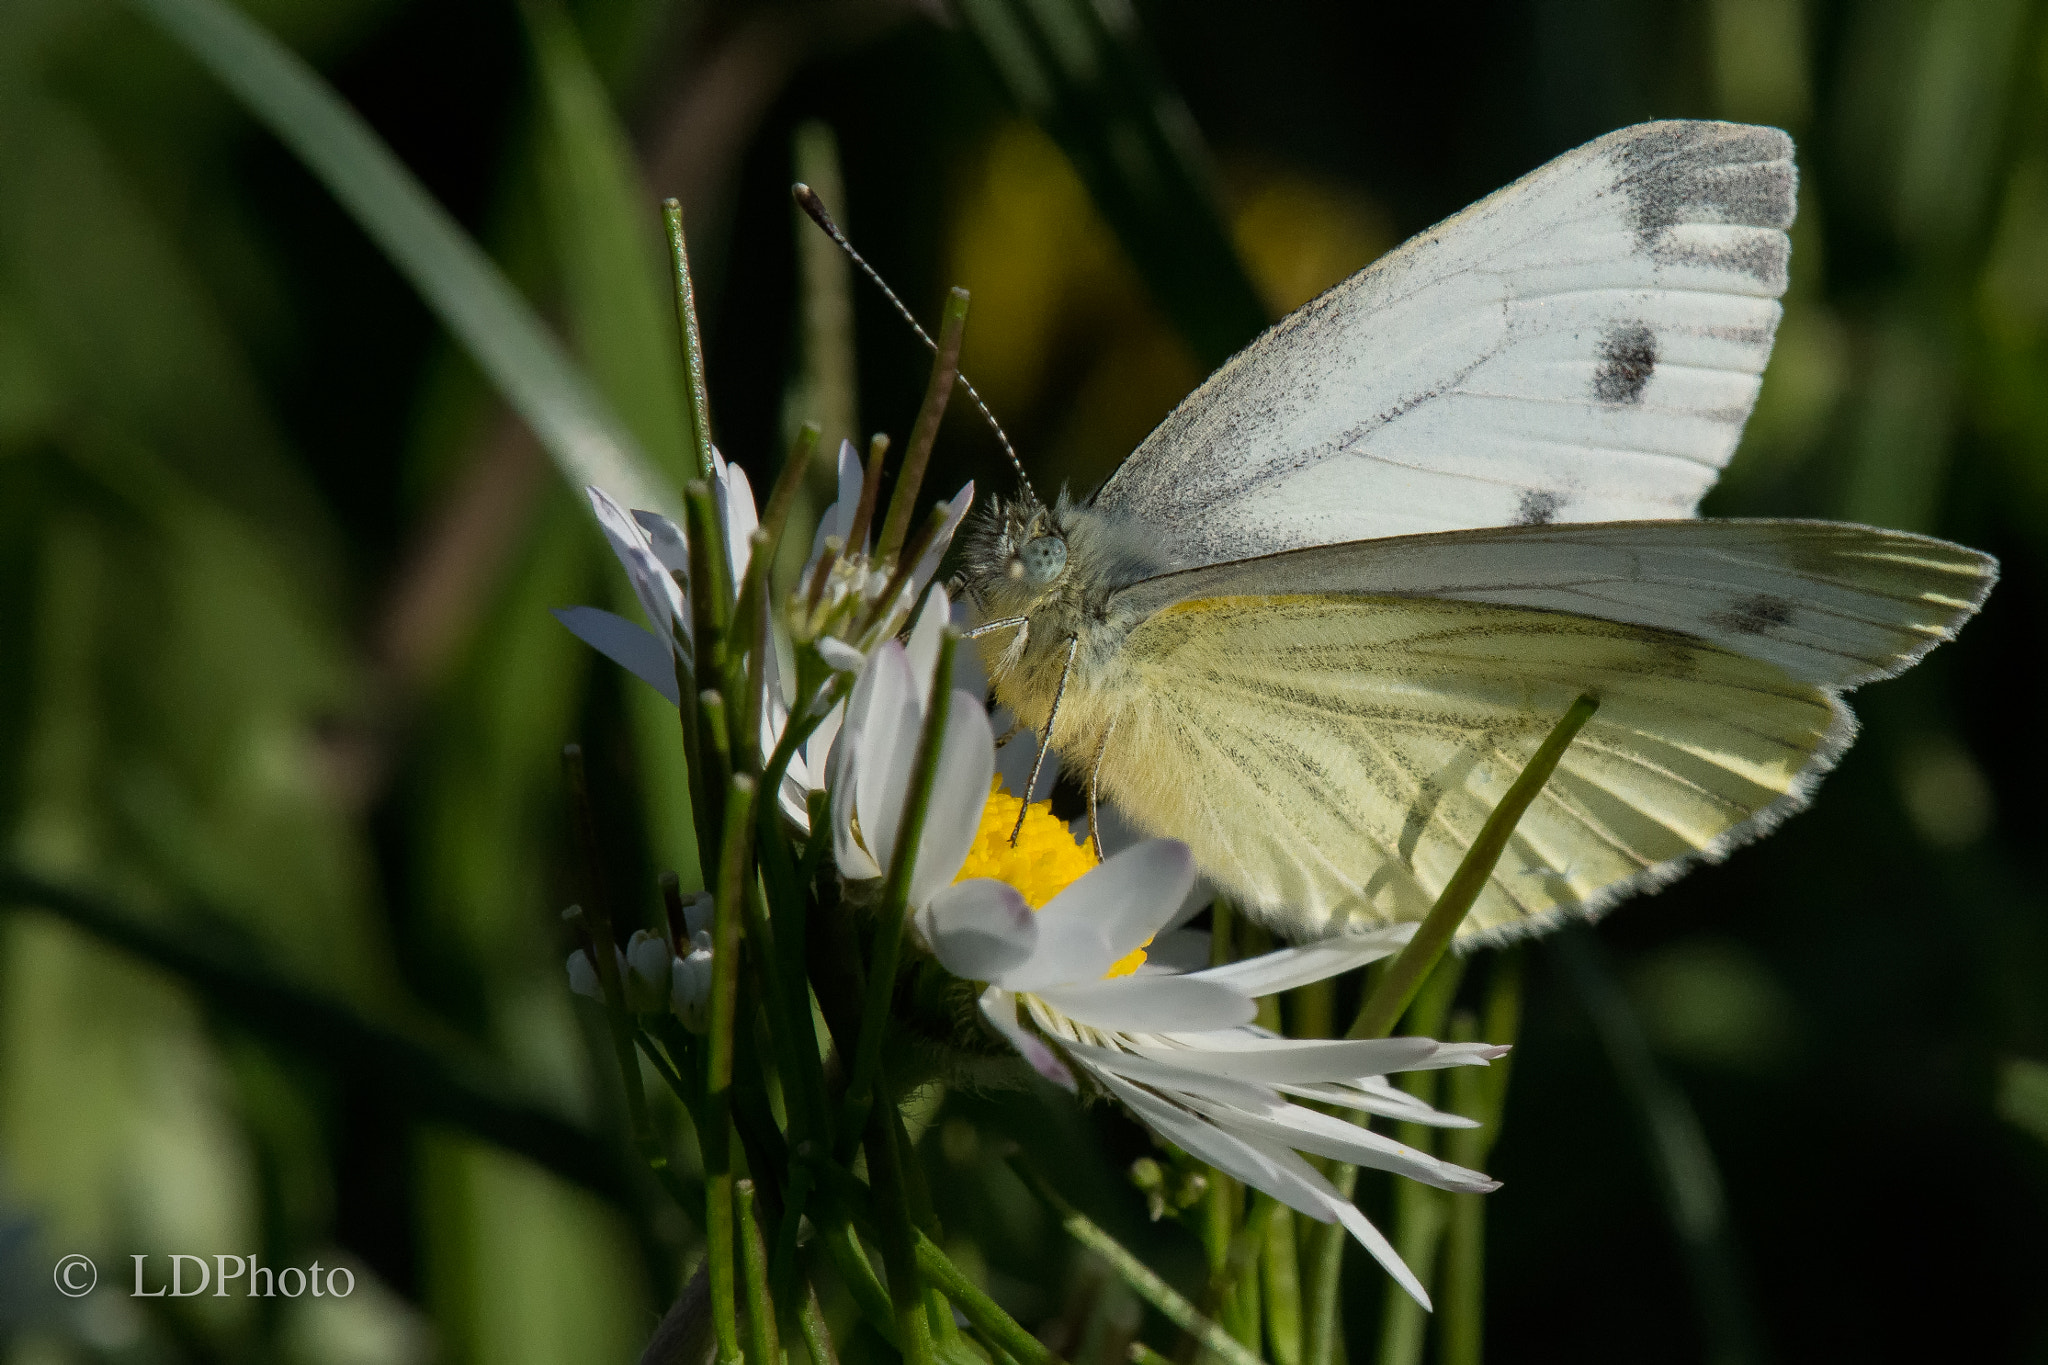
1041	560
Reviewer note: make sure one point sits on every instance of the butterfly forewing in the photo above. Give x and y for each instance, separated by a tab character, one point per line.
1584	345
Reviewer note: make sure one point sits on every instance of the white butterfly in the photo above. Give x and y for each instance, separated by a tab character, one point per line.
1323	615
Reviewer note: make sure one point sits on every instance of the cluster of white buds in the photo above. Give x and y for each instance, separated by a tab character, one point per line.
656	974
848	600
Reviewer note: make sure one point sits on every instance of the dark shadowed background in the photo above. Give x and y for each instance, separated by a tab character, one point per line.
280	695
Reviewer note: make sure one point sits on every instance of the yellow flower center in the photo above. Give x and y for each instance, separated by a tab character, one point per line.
1046	861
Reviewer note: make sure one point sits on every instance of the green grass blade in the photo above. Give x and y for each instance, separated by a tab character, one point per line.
460	283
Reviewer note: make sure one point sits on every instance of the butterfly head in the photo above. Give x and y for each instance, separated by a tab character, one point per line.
1015	555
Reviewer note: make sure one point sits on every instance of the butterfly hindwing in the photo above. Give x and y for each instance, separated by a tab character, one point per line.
1329	727
1330	759
1584	345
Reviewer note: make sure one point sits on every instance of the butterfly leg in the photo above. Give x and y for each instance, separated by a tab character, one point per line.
1045	740
1094	786
1016	729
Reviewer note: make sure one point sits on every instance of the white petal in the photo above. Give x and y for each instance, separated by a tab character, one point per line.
583	977
888	751
842	779
1462	1054
667	540
660	595
1151	1003
1274	1169
1320	1134
1290	967
840	656
817	750
1159	1075
999	1007
928	562
1356	1223
736	507
838	518
631	647
967	764
923	643
1309	1059
1373	1097
1107	913
978	929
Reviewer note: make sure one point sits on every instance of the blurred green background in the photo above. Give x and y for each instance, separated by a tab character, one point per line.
279	692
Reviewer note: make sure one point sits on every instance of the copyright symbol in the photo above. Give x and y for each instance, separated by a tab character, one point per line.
76	1276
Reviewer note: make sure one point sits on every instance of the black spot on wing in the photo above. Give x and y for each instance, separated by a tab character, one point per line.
1539	507
1706	173
1758	614
1628	357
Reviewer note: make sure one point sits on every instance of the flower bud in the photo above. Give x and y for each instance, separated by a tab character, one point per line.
689	992
646	982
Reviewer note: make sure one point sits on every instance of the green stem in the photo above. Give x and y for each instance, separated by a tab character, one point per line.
1405	974
761	1336
899	1233
817	1336
842	1195
715	1138
909	478
984	1313
1135	1272
894	912
1280	1273
693	343
1323	1309
1403	977
1419	1210
1477	1093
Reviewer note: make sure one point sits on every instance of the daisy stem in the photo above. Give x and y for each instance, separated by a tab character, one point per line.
916	455
715	751
886	1158
711	585
843	1195
1280	1272
881	983
870	493
1133	1271
1397	987
747	652
1477	1094
693	340
1405	975
1419	1211
715	1135
762	1344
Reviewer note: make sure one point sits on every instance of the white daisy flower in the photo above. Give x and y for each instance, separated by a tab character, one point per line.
1064	941
1062	944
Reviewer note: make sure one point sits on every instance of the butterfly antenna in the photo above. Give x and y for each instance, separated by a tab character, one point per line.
808	201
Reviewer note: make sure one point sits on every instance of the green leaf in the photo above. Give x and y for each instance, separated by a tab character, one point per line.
616	285
459	282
